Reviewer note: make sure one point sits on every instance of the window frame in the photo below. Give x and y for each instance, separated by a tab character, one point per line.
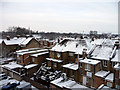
105	63
88	67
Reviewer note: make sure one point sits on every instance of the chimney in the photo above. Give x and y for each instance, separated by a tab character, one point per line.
92	38
8	37
117	44
84	53
18	36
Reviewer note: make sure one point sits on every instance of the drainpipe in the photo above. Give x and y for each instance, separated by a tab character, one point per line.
114	79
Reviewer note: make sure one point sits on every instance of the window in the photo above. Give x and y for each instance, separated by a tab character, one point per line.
33	59
87	79
80	64
53	53
70	54
45	43
73	73
113	64
58	55
41	42
109	84
117	87
105	63
55	64
119	74
87	67
17	56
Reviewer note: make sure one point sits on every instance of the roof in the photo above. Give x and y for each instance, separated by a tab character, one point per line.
35	51
30	49
110	77
18	41
26	41
71	66
102	52
90	61
54	60
39	54
116	58
12	65
71	45
117	66
97	41
30	66
102	73
67	83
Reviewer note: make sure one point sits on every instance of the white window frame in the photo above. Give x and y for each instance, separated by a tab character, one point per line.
88	67
109	84
105	63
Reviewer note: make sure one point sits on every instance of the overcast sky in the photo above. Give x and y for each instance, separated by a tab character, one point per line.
60	15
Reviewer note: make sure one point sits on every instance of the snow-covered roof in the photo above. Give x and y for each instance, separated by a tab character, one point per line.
24	50
71	45
12	65
35	51
26	41
1	41
71	66
18	41
102	73
110	77
14	41
117	66
90	61
102	52
97	41
39	54
70	84
117	56
54	60
23	84
30	66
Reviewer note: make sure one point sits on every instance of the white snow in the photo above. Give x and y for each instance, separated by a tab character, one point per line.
14	41
102	52
24	50
71	45
102	73
12	65
117	56
55	60
117	66
110	77
71	66
26	41
38	54
36	51
30	66
70	84
90	61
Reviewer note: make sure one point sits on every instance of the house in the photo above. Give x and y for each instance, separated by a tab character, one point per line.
117	76
46	43
67	51
39	58
27	56
64	82
11	45
88	68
